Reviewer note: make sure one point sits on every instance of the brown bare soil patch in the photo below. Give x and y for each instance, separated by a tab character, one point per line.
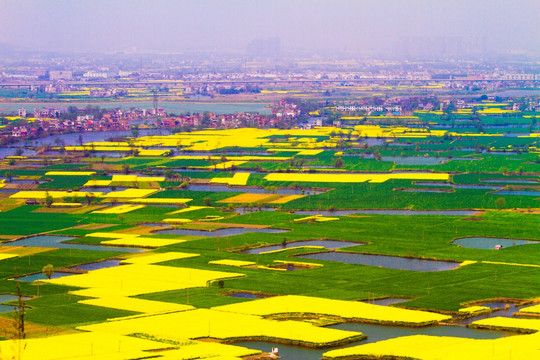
24	250
7	329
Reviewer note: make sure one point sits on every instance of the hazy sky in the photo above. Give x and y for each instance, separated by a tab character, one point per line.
314	25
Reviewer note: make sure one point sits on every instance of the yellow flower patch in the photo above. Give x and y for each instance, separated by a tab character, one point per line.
135	178
344	309
532	310
442	347
238	179
238	263
55	194
208	350
177	221
4	256
352	178
136	305
286	199
154	258
249	198
130	193
317	218
83	345
191	208
152	152
131	280
160	200
121	209
144	242
70	173
239	158
292	248
509	323
97	183
66	204
134	240
474	309
222	325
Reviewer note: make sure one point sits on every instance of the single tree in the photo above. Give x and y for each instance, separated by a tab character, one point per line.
48	200
500	203
48	271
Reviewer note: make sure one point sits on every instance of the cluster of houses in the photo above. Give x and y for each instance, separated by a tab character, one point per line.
43	126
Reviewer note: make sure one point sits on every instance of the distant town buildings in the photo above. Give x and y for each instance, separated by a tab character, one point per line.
55	75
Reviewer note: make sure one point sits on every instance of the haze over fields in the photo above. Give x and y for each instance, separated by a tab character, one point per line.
383	27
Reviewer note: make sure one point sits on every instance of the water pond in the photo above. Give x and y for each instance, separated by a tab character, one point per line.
40	276
387	212
501	309
96	265
247	295
386	301
510	181
489	243
7	298
425	190
4	152
58	242
220	232
388	262
328	244
522	193
459	186
374	333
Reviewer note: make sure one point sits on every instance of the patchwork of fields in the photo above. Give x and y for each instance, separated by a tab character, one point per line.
181	256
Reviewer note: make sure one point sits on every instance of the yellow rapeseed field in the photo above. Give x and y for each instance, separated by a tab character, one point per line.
222	325
136	178
228	262
317	218
83	345
154	258
121	209
344	309
474	309
136	305
144	242
248	198
130	193
353	178
160	200
134	240
70	173
176	220
239	178
4	256
533	310
286	199
97	183
135	279
424	347
509	323
55	194
208	350
152	152
191	208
